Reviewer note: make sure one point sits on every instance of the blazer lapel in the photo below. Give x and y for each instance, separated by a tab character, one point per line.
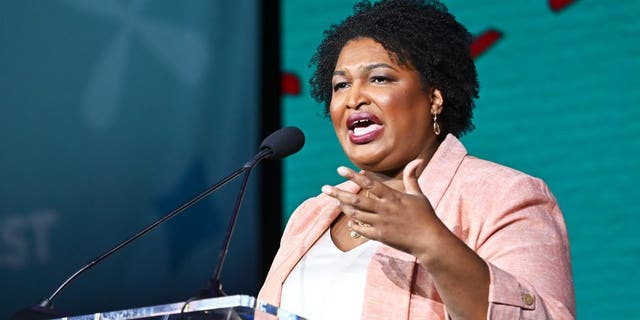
438	174
323	212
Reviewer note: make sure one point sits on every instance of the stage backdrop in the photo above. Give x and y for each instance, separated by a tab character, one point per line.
558	100
112	113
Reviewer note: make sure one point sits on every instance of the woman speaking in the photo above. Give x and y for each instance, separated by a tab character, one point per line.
423	230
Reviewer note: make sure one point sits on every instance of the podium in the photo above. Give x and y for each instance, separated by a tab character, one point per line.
236	307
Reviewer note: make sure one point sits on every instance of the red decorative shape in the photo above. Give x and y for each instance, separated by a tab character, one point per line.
557	5
290	84
483	42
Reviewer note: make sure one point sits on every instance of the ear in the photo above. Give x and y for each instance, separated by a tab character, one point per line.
436	101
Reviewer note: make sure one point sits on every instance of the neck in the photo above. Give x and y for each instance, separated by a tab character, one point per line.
393	178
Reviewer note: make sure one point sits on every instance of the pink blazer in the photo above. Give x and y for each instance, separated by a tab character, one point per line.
508	218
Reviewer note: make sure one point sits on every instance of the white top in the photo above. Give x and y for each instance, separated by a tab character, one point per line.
328	283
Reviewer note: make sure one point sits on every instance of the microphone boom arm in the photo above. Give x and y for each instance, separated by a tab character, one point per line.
214	286
263	154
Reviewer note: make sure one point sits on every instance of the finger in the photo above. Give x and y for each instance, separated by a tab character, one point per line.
358	214
369	185
358	177
348	198
410	177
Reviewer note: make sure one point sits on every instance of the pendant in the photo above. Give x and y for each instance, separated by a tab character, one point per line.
354	234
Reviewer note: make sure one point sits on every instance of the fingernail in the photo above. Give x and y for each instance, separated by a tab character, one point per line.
326	189
344	171
349	223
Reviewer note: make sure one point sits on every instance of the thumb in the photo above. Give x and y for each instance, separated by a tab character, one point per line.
410	177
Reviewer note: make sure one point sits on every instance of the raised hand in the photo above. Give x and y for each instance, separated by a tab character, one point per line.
402	219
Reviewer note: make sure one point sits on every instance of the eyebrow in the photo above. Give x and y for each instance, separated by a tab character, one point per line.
366	68
377	65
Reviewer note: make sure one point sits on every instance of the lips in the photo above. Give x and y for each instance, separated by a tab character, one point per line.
363	127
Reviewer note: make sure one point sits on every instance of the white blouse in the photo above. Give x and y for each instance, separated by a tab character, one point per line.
328	283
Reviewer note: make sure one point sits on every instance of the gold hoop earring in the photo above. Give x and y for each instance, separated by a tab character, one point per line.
436	125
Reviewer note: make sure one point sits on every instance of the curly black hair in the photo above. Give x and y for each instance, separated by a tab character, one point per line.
420	34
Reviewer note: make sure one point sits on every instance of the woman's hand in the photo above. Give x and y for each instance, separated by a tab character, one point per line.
406	221
403	220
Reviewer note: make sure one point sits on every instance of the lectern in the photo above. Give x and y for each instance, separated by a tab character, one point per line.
237	307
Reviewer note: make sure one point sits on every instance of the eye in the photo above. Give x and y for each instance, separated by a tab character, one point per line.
380	79
340	85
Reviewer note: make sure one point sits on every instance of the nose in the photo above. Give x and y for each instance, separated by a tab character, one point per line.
357	97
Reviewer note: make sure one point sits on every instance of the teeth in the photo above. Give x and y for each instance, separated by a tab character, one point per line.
361	123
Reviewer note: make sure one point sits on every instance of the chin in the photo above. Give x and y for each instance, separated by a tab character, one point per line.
363	154
374	164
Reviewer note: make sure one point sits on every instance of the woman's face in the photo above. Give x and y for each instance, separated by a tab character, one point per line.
380	112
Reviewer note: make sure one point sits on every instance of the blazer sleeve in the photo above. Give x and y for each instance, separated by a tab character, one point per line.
525	245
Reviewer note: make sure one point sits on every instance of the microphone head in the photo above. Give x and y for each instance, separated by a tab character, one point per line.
283	143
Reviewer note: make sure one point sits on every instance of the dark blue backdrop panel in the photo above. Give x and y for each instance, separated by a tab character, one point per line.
111	114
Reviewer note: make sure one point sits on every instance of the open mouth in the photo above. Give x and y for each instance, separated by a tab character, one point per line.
364	127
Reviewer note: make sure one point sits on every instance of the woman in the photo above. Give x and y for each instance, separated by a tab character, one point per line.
423	231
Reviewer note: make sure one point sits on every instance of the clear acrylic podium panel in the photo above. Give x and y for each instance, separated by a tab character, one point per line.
237	307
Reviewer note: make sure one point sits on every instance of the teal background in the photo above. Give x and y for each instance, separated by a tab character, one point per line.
112	113
558	100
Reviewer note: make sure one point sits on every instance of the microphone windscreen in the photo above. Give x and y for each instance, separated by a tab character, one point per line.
284	142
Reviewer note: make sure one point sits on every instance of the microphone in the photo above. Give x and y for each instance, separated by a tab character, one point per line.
279	144
283	142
